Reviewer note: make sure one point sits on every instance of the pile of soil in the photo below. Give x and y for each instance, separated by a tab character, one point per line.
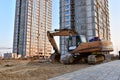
34	70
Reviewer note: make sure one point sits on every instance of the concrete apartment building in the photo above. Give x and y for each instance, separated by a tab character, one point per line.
7	55
33	18
87	17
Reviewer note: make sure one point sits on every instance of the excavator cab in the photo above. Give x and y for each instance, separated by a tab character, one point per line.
74	41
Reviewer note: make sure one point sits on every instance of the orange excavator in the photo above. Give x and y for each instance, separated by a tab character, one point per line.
78	49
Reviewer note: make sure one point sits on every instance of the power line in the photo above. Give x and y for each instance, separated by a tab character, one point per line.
4	48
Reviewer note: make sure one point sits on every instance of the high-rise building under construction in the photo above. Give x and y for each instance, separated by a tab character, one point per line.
87	17
32	21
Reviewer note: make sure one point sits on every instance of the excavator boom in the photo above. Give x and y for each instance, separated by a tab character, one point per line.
55	57
61	32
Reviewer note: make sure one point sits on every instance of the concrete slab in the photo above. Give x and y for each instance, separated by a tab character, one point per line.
105	71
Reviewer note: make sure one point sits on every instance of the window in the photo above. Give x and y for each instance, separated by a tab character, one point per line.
67	23
90	32
67	17
66	1
67	12
67	7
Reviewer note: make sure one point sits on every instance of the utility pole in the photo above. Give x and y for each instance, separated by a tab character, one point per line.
46	11
38	34
119	54
38	38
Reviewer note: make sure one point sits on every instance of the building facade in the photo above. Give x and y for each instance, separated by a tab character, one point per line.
7	55
33	18
87	17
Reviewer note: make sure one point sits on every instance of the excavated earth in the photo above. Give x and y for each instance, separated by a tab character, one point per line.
34	70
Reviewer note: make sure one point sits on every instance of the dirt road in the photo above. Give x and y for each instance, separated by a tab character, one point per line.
34	70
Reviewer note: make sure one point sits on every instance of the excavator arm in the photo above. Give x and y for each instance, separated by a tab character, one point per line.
55	57
61	32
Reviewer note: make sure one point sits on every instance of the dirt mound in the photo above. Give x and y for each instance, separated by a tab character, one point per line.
34	70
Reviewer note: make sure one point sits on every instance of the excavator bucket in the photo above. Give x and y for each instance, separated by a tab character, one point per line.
55	58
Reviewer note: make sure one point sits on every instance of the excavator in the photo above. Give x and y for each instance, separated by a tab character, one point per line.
78	48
